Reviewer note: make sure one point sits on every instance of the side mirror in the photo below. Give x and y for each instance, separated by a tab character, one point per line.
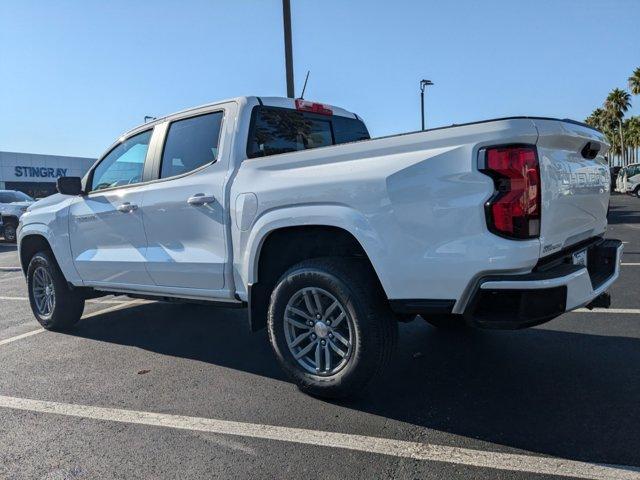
69	185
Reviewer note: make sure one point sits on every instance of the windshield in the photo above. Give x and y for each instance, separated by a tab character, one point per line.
10	197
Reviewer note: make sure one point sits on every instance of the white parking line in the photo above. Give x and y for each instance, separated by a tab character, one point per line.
89	315
115	307
633	311
382	446
630	264
20	337
98	301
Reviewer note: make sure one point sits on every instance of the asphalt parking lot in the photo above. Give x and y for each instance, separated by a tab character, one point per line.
144	389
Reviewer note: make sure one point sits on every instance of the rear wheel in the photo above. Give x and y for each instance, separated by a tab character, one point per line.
329	326
10	233
54	304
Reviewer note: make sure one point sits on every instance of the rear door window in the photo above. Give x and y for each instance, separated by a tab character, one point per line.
191	143
282	130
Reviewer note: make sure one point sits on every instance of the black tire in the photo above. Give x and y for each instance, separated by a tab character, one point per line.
446	322
636	192
374	330
10	233
67	305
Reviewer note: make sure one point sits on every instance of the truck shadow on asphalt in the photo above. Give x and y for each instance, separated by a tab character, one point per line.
556	393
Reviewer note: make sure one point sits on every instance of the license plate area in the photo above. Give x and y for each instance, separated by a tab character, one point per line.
580	258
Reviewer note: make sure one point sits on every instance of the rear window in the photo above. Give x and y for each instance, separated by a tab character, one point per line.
280	130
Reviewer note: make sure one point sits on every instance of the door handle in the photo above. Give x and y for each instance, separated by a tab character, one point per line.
127	207
201	199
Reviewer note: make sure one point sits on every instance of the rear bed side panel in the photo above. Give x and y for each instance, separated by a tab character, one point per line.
420	195
575	189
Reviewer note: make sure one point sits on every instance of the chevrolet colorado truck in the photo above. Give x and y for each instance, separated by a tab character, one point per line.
328	237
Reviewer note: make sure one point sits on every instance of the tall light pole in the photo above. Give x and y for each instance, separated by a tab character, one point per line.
288	50
423	84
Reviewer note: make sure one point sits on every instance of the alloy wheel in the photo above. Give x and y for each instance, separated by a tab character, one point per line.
319	331
43	292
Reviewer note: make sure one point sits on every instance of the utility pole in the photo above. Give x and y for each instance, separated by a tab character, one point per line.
423	85
288	50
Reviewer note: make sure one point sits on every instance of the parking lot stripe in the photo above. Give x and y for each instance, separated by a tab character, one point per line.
89	315
377	445
21	336
90	301
630	264
633	311
115	307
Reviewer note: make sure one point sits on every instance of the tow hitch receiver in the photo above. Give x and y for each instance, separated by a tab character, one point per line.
601	301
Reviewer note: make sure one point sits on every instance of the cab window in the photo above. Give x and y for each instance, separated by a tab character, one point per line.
124	164
277	130
190	144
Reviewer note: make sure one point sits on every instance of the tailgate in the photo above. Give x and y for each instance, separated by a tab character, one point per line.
575	186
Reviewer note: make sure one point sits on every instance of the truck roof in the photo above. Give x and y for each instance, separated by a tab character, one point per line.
281	102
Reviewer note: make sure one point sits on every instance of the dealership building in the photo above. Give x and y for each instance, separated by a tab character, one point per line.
36	174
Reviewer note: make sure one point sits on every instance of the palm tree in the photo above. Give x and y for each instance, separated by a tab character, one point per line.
633	134
617	103
634	82
596	119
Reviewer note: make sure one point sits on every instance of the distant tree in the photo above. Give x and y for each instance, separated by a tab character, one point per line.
617	103
634	82
597	119
632	137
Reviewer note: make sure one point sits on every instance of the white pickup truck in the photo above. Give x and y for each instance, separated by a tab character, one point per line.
328	237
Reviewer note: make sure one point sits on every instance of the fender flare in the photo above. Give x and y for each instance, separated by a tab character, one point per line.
330	215
58	244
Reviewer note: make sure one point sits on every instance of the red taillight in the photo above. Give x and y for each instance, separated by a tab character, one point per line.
514	210
313	107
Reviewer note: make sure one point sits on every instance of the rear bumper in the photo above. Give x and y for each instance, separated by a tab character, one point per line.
519	301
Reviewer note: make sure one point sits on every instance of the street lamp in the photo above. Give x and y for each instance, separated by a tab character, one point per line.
423	84
288	49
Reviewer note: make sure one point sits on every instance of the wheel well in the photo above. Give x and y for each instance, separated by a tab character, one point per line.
288	246
31	245
10	219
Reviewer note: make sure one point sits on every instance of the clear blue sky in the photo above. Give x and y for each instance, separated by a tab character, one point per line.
76	74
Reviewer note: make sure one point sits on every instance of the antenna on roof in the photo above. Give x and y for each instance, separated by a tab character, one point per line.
305	85
148	117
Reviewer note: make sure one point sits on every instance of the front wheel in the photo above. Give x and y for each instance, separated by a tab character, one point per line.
330	328
53	303
10	233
